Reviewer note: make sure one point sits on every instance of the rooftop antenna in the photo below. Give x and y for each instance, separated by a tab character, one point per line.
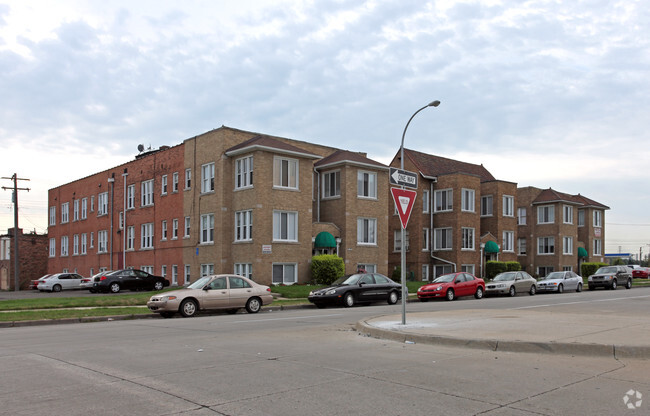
140	148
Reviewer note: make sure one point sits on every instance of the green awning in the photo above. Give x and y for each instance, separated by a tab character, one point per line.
325	240
582	252
491	247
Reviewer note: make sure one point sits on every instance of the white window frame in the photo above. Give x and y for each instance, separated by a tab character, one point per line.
508	242
546	214
598	247
175	274
397	241
443	239
187	274
188	226
163	185
287	278
508	206
52	216
244	269
598	218
188	178
521	216
487	206
425	272
75	245
65	217
549	244
567	214
366	231
426	203
52	247
292	168
130	197
426	239
567	245
244	172
468	200
84	242
581	217
130	238
445	204
244	225
102	241
174	228
174	182
468	239
102	204
163	230
207	229
287	232
332	184
64	246
366	184
84	208
521	246
146	236
207	269
468	268
92	240
146	193
75	210
207	178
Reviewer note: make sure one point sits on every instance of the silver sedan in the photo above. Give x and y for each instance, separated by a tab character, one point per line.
511	283
560	281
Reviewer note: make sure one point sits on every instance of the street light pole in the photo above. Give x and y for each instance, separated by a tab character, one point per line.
435	103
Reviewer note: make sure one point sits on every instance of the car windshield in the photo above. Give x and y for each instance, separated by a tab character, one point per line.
554	275
445	278
504	277
348	280
200	283
604	270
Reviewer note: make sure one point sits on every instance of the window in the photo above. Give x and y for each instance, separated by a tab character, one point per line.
64	246
508	206
508	241
175	182
92	240
84	208
207	228
164	185
92	203
366	231
130	197
567	245
568	214
174	228
163	229
130	238
52	216
521	216
369	268
598	247
546	245
285	274
546	214
467	268
187	273
75	245
146	197
486	206
244	269
244	172
442	239
467	200
581	218
146	236
598	218
52	247
439	270
426	239
64	212
174	274
425	272
543	271
148	269
102	241
102	203
567	269
443	200
285	173
425	201
75	210
207	269
468	239
163	270
285	226
187	227
521	246
83	243
366	184
188	178
244	226
397	238
207	177
332	184
120	221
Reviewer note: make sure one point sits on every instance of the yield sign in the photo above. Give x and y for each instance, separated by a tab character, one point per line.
404	200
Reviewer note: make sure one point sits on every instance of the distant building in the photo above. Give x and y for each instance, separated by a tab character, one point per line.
32	253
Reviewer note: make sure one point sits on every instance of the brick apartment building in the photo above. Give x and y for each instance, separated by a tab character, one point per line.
32	253
224	201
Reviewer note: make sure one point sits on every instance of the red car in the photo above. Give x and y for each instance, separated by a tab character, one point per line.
452	286
641	273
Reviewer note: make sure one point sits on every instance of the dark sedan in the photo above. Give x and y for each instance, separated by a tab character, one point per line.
357	288
128	279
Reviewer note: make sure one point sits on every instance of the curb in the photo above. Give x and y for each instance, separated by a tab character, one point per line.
591	350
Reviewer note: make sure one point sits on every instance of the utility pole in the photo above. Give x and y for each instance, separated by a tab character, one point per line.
14	198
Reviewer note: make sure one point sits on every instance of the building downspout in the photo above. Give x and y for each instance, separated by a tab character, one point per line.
111	180
431	199
317	195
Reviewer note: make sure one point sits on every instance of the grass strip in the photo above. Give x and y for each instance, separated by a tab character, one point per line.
70	313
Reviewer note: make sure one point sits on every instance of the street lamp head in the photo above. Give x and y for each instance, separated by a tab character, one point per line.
435	103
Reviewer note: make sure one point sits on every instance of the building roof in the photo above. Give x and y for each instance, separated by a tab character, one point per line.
590	202
433	166
551	196
345	156
263	142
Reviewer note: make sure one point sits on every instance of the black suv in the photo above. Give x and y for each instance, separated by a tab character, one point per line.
610	277
128	279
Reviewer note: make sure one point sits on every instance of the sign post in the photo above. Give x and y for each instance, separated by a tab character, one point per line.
404	201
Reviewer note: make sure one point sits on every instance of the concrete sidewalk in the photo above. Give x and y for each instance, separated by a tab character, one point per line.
519	331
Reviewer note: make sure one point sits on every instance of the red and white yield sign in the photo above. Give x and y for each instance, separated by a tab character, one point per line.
404	200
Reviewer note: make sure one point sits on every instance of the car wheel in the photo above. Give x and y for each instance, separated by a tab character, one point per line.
253	305
56	288
560	288
348	300
167	315
614	285
188	308
115	287
533	290
512	292
628	285
579	288
479	293
392	298
158	286
450	294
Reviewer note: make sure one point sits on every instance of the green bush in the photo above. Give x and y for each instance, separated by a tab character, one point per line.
587	269
513	266
326	268
492	268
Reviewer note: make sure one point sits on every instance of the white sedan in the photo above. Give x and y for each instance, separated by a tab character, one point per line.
560	281
61	281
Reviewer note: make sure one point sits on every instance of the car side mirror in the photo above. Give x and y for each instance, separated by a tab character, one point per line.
206	288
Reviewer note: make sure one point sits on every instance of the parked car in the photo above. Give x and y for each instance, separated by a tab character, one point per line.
33	284
452	286
560	281
511	283
89	282
641	273
128	279
357	288
610	277
60	281
229	292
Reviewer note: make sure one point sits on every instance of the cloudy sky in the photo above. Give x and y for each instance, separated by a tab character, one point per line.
542	93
